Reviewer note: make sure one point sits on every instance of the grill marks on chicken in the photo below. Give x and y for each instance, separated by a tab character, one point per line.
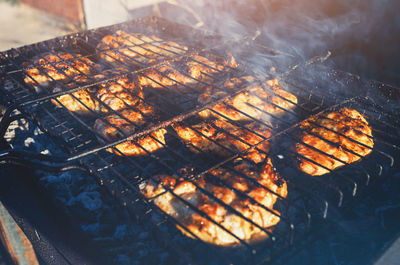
74	71
123	93
223	138
330	135
254	202
199	67
113	127
120	94
255	102
47	68
163	77
137	48
116	95
143	145
195	69
81	101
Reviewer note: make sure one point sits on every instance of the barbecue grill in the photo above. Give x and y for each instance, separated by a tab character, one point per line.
317	88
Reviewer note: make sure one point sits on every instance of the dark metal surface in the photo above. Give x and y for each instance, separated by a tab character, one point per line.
55	238
4	257
317	91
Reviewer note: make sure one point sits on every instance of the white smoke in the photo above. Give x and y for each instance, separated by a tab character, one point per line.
306	28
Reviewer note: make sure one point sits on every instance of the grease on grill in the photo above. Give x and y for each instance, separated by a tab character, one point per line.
261	212
255	102
328	127
136	48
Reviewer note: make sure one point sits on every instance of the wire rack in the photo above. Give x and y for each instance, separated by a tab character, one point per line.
318	90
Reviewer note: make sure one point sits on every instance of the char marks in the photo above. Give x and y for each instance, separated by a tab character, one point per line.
253	208
46	69
254	103
223	138
128	121
136	48
343	134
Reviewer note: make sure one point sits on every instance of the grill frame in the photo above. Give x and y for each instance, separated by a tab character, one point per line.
119	191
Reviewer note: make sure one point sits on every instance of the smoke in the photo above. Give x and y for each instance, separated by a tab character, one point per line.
363	35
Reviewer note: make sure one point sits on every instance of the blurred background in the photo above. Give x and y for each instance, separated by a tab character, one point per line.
363	35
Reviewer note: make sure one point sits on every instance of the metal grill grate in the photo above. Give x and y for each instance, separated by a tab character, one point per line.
308	196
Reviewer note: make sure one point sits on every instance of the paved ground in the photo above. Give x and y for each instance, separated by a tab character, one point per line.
21	25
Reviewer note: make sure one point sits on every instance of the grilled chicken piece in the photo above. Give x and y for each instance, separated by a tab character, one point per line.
220	136
115	126
137	48
50	67
116	94
119	94
80	101
163	77
200	66
343	125
221	183
195	69
255	102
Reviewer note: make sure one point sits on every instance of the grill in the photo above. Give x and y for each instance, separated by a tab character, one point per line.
319	90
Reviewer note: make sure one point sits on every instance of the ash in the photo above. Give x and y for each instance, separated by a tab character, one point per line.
354	235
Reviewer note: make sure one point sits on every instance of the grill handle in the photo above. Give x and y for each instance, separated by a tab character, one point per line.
38	161
7	118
